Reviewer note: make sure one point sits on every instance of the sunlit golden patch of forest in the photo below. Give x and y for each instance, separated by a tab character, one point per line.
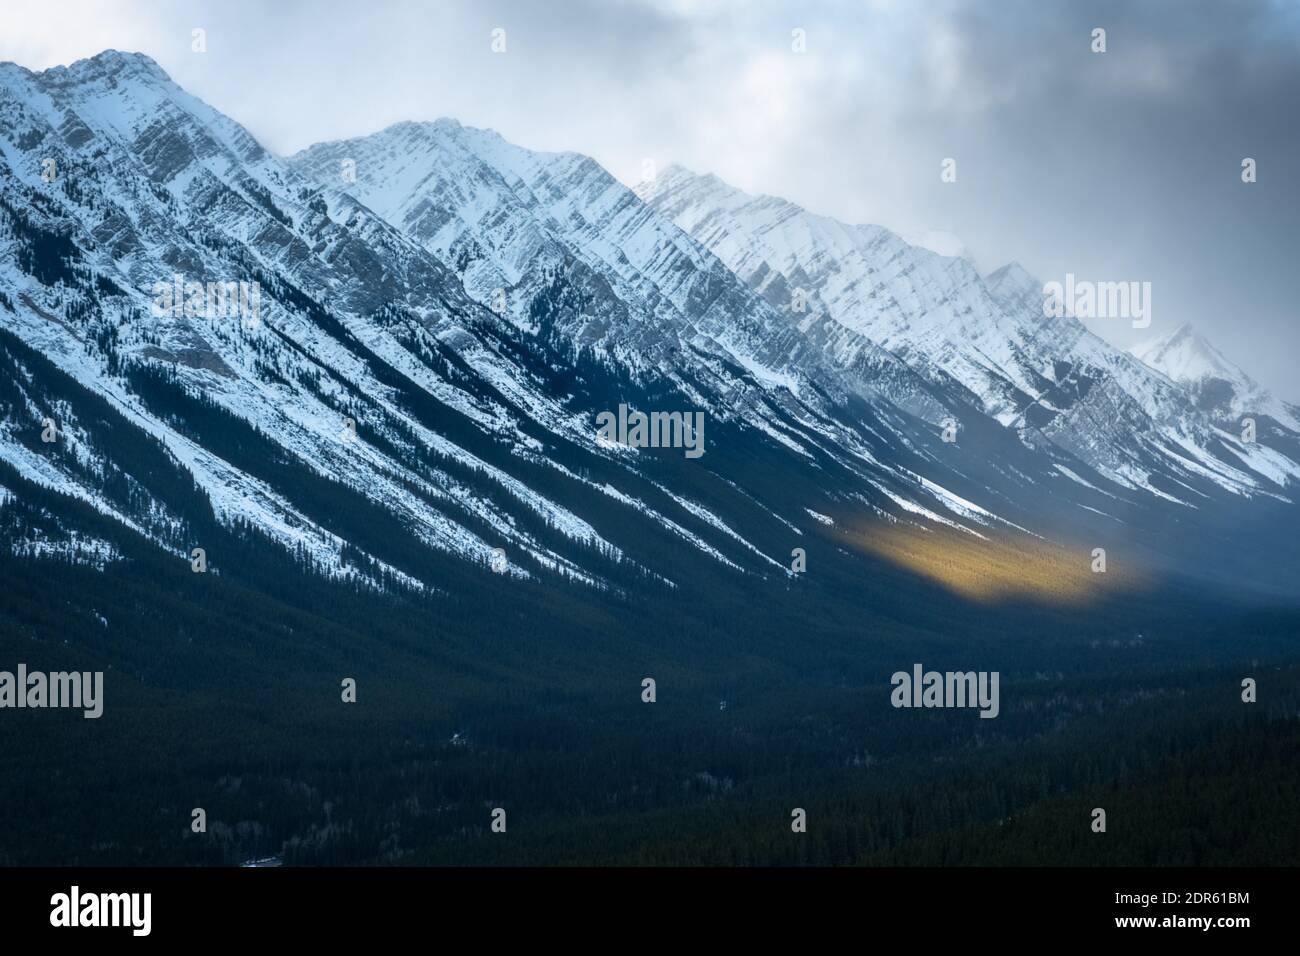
995	567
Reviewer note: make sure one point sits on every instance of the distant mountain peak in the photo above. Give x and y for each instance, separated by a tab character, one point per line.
678	178
1013	271
939	242
1221	386
678	171
1013	283
1185	356
107	63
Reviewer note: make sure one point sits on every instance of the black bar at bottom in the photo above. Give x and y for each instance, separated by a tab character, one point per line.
330	905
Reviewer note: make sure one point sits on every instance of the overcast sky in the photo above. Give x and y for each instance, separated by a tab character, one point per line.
1120	165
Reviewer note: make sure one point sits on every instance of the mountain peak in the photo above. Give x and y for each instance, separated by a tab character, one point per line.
1186	356
1013	271
417	127
107	63
675	177
1013	284
939	242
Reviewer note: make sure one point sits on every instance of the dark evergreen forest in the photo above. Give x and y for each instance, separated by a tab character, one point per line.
223	692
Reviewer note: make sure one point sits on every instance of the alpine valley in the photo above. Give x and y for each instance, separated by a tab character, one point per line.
391	471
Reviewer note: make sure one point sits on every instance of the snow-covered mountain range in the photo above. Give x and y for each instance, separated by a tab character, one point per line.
1049	378
439	316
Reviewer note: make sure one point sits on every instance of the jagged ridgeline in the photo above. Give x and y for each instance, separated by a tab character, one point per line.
273	423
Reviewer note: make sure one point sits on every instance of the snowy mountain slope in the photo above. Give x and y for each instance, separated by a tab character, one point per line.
508	219
502	216
1048	378
1136	412
187	190
291	379
368	405
1222	389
